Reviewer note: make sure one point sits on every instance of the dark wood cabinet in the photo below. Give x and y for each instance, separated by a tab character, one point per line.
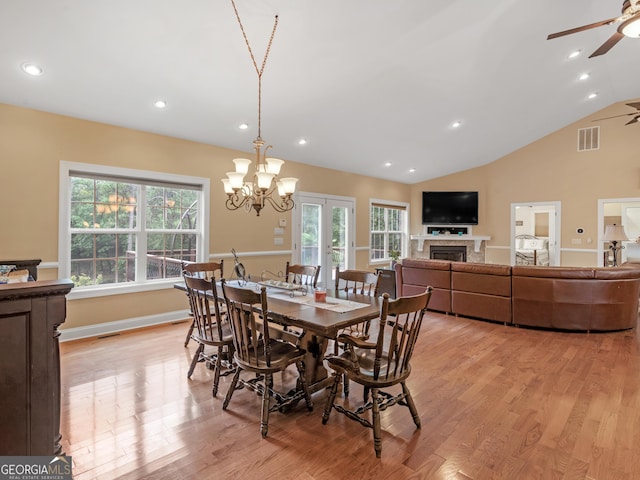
30	314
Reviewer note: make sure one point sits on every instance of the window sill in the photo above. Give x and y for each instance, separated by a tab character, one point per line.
106	291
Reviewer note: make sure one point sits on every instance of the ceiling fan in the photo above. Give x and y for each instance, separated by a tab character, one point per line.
629	27
635	119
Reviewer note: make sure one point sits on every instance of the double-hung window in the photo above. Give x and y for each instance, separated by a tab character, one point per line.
389	230
124	230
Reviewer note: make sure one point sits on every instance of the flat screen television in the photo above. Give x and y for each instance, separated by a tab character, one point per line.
449	208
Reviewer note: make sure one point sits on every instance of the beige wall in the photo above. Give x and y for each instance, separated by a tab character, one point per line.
33	143
551	169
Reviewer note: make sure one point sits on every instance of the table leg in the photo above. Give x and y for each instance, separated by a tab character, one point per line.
315	373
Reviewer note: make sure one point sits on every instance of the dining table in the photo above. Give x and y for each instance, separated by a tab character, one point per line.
315	323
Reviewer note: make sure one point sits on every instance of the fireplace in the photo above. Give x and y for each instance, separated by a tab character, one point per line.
455	253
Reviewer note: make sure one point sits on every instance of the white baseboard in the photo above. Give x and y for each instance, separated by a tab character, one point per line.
107	328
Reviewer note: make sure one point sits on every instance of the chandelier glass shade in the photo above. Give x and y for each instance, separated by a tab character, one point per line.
263	186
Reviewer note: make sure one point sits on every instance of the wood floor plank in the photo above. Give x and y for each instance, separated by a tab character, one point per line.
495	402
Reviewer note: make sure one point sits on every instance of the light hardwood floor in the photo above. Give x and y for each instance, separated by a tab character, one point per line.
495	402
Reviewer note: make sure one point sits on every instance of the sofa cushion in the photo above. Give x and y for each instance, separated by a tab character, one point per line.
426	263
440	300
479	305
552	272
435	273
628	271
481	278
485	268
413	275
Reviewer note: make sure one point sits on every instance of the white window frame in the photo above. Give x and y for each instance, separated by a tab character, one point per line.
64	228
405	232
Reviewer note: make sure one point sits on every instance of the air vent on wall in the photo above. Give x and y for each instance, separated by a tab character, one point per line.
588	139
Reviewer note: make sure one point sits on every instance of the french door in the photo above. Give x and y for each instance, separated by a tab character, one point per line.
323	233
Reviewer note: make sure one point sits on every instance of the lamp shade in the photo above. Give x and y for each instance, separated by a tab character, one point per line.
614	233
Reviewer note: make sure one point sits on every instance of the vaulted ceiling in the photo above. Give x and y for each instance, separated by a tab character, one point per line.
364	82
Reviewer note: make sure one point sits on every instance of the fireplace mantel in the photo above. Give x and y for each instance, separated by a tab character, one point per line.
477	239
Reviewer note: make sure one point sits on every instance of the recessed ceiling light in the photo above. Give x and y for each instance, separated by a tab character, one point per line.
388	164
584	76
32	69
574	54
456	124
302	141
412	170
160	104
243	126
592	95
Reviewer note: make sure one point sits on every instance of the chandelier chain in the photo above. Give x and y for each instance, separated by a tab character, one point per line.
260	70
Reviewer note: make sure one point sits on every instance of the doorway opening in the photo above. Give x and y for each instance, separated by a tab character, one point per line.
535	233
625	212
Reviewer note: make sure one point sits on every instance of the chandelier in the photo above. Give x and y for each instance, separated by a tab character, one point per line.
263	186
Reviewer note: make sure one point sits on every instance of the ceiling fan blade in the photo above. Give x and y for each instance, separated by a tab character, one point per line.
615	116
608	45
581	29
633	120
635	105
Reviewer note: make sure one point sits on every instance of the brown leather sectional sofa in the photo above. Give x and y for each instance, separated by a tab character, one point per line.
564	298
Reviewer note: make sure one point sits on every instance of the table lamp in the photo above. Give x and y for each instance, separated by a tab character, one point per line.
614	234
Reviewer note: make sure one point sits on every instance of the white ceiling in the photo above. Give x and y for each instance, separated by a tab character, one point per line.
364	81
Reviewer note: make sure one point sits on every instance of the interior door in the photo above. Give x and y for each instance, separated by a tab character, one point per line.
323	234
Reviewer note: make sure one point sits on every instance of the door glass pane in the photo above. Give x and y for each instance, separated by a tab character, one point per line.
339	238
311	234
322	236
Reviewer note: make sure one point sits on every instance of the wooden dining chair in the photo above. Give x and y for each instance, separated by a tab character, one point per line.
361	282
211	328
305	275
381	364
255	351
356	281
204	270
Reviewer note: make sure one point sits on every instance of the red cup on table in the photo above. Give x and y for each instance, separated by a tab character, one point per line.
320	295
